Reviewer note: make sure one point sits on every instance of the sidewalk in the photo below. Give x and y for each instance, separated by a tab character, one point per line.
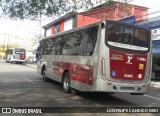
155	84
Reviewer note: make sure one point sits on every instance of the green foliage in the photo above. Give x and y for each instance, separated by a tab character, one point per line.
30	9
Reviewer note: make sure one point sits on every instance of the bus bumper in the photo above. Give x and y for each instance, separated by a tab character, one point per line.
110	86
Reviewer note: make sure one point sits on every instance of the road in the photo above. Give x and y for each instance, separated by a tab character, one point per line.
21	86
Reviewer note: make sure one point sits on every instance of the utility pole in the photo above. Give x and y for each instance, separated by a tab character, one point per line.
38	34
4	46
40	26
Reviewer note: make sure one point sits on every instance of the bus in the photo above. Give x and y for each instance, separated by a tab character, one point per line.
107	56
17	55
156	59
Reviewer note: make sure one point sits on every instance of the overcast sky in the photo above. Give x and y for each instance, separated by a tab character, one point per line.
153	5
147	3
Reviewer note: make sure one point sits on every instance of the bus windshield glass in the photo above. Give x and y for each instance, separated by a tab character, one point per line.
19	51
124	36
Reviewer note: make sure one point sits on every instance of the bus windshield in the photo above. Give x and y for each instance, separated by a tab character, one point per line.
124	36
19	51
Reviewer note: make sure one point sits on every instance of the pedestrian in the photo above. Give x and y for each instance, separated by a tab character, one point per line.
37	57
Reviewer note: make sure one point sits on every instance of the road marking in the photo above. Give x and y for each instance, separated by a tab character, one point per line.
152	97
29	80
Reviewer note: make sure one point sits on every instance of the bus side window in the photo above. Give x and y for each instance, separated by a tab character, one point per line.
112	35
59	45
43	47
53	46
77	42
84	41
80	45
77	38
68	48
92	38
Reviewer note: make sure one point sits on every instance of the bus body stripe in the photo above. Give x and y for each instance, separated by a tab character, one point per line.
78	72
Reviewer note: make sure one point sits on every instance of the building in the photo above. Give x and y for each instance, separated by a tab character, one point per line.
117	10
112	10
66	22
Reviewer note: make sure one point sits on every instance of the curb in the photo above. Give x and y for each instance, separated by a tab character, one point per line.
155	84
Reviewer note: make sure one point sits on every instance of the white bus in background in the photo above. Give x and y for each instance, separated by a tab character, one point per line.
17	55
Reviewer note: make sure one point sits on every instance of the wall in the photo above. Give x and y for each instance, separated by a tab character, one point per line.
118	11
84	20
68	24
141	14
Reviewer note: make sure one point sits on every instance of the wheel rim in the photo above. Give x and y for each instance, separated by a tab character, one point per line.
66	83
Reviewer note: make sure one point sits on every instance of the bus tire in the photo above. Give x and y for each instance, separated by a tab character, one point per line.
44	75
66	83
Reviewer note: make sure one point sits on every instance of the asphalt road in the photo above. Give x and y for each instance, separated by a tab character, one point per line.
21	86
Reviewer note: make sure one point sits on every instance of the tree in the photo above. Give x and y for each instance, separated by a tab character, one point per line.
30	9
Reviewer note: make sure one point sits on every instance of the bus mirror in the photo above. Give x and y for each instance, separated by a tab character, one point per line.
102	25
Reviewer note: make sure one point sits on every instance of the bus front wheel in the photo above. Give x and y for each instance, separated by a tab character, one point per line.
66	83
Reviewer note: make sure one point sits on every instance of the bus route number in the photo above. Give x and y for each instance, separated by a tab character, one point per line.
128	31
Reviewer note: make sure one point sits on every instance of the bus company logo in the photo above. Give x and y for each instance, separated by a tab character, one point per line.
128	75
129	60
117	57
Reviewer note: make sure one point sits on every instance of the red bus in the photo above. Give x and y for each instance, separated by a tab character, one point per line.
107	56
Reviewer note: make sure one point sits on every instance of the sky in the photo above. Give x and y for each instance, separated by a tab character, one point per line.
147	3
153	5
28	28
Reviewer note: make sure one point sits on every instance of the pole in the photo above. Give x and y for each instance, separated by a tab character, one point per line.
4	44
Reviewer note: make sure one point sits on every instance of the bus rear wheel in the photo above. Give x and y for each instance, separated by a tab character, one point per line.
66	83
